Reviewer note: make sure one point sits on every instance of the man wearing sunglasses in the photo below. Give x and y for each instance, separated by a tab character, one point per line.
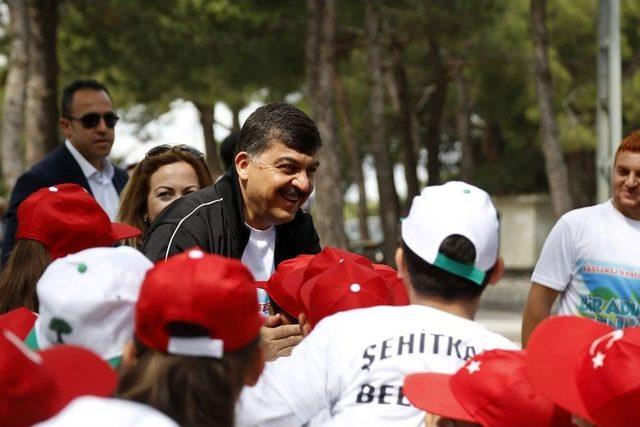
87	122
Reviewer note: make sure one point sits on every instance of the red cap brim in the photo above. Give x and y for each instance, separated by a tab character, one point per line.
19	321
394	282
553	350
124	231
290	284
432	392
77	372
304	294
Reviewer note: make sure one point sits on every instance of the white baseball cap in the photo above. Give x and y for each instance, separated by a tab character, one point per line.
88	299
453	208
108	412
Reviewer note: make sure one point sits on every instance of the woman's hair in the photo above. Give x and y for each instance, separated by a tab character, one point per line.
133	203
27	262
193	391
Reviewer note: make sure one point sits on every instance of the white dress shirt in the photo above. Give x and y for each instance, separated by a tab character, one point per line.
100	181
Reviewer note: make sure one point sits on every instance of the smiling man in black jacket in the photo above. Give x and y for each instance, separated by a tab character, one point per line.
275	163
253	212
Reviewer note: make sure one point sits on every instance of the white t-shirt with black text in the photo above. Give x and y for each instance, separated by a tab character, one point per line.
592	256
354	363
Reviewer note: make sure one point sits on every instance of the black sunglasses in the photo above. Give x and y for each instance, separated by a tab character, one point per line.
180	147
91	120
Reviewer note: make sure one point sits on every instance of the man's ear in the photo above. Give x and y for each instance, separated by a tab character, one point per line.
402	267
256	366
65	125
497	272
129	356
305	325
403	272
241	163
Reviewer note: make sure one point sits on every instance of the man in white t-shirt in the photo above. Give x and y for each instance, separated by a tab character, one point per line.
591	258
353	363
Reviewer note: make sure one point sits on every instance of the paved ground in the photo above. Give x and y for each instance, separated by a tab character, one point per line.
502	305
503	322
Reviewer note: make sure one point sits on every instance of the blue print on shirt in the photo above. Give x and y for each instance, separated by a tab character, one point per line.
614	291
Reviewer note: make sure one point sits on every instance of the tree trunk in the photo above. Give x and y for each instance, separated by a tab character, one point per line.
581	166
235	112
555	166
388	204
329	219
462	127
41	115
211	148
492	141
436	111
405	118
15	93
354	155
312	47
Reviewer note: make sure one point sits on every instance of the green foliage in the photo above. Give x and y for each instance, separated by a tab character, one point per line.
203	51
151	52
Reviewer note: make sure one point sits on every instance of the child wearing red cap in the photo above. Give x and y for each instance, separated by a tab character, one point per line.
197	339
588	368
52	223
490	390
35	386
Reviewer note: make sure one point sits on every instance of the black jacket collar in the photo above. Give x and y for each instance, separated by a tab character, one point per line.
229	189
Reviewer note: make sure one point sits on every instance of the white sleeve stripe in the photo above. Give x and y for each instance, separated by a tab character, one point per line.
166	255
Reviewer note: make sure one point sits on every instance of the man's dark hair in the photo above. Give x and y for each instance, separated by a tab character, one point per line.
228	147
72	88
278	122
431	281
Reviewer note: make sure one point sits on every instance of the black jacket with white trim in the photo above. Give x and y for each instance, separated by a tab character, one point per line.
212	220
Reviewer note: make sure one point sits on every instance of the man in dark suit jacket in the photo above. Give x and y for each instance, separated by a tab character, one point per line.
87	121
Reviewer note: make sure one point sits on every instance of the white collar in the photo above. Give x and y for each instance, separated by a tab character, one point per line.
257	231
87	168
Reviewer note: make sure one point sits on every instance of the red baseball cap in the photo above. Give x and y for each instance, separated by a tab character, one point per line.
588	368
345	286
284	284
35	386
329	257
19	321
491	389
67	219
394	282
211	291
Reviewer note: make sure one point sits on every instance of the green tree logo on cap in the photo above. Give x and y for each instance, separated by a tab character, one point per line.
60	327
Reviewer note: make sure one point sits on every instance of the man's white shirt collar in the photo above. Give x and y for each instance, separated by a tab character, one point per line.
87	168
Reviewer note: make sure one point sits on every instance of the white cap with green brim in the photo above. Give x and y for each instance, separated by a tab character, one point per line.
88	299
453	208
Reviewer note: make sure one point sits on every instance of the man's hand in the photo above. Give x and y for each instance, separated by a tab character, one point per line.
537	309
278	339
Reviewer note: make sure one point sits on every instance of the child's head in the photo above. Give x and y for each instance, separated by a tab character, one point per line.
88	299
196	339
450	242
53	222
35	386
